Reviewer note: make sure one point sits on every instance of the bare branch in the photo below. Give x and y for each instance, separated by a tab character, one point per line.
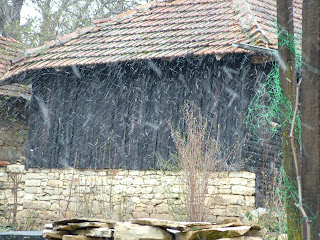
296	164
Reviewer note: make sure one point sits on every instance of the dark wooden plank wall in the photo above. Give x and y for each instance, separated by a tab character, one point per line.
117	116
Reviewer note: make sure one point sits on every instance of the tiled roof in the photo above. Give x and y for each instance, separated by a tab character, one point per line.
161	29
16	90
9	49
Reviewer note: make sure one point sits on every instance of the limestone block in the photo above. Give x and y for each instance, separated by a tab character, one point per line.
35	190
150	209
233	199
123	172
24	213
96	232
51	176
147	190
160	189
44	183
47	233
218	200
3	177
137	180
82	189
155	201
181	226
147	196
134	173
118	177
238	181
224	186
10	200
176	189
251	183
214	175
28	196
135	199
16	168
84	222
149	172
131	190
243	190
48	191
54	207
55	183
129	231
57	192
140	214
40	205
250	201
213	233
162	209
20	193
223	174
33	183
49	215
213	190
101	173
19	207
35	175
151	181
78	237
234	211
48	226
242	174
54	175
119	189
224	190
218	211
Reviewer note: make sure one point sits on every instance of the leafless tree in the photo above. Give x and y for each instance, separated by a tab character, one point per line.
53	18
310	114
10	16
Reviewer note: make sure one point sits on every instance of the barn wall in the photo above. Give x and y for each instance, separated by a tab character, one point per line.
13	128
117	116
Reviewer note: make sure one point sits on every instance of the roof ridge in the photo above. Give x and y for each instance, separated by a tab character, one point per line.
247	18
10	40
130	13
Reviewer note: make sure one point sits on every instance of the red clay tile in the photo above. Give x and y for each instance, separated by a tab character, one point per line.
9	50
163	29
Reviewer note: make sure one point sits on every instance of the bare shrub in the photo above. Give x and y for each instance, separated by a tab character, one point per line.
198	154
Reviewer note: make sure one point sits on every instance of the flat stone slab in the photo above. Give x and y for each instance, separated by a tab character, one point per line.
81	225
181	226
79	220
213	233
80	237
53	234
95	232
72	224
130	231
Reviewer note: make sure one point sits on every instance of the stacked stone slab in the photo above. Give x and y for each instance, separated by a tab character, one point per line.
42	195
142	229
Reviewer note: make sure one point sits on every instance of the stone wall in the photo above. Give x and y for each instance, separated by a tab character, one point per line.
37	196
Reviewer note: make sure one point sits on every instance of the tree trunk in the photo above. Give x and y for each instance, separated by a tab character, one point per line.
10	17
310	111
287	75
